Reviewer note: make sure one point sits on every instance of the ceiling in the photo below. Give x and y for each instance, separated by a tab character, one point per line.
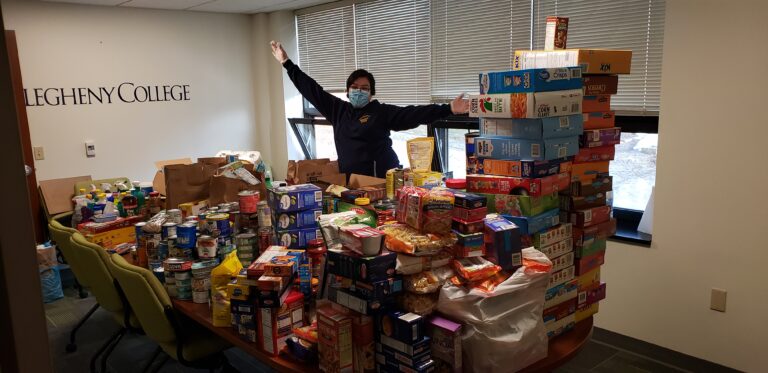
220	6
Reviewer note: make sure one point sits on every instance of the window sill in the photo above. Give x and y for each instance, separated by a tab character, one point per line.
631	235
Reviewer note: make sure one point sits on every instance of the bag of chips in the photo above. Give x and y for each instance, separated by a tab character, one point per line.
422	283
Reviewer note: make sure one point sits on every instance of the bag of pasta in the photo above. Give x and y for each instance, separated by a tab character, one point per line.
404	239
220	277
437	211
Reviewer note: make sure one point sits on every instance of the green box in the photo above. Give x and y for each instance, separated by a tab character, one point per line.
593	246
527	206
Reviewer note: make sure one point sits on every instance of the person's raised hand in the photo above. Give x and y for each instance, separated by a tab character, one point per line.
460	105
278	52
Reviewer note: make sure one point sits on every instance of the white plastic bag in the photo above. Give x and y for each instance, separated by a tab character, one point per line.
503	330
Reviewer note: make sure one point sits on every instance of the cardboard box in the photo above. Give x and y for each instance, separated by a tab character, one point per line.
58	193
515	205
562	261
591	295
358	181
535	224
588	171
533	129
285	221
601	153
601	184
591	247
470	214
558	248
469	200
315	171
503	243
426	179
555	328
588	263
446	341
256	269
356	267
526	105
378	291
391	355
600	137
385	364
282	265
552	235
585	312
534	80
600	84
158	182
363	344
561	277
296	198
602	230
560	293
277	324
589	279
555	33
112	238
530	169
559	311
514	185
588	217
273	298
591	61
508	148
405	327
603	119
334	332
119	223
596	103
409	349
298	238
470	239
573	203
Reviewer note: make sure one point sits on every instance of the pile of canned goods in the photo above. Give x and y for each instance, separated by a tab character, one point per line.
246	244
201	280
178	278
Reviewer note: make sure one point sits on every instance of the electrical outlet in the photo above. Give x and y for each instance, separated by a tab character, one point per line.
90	149
718	298
39	154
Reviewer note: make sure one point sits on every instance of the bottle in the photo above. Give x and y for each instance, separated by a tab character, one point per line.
130	204
154	203
141	208
268	176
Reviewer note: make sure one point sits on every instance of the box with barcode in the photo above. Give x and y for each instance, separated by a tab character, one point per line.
488	184
531	169
559	311
602	230
562	261
583	313
297	219
573	203
553	235
596	103
558	249
561	292
590	247
533	129
562	276
588	217
526	105
588	279
597	120
508	148
276	324
296	198
591	61
334	337
591	295
534	80
538	223
588	263
600	84
600	137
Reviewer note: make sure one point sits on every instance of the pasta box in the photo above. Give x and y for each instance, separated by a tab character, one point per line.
573	203
510	148
560	311
555	328
582	313
591	61
600	84
558	248
602	230
533	80
393	355
533	129
500	167
552	235
600	153
588	171
406	327
562	261
588	263
562	276
538	223
467	227
296	198
600	137
334	332
596	103
560	293
591	295
526	105
409	349
591	247
372	291
277	324
601	184
297	219
470	214
516	205
446	341
588	217
469	200
597	120
349	264
502	238
488	184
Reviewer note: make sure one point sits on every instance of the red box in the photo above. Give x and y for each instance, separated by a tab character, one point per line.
602	184
600	153
587	218
516	185
591	295
276	324
334	337
602	230
94	228
470	214
468	227
574	203
600	84
561	310
597	120
363	346
596	103
589	263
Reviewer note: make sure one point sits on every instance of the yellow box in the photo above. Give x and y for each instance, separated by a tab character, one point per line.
591	61
589	278
237	291
586	312
112	238
426	178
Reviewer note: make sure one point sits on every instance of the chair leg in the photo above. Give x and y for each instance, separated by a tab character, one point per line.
160	365
80	290
72	346
110	349
102	348
151	359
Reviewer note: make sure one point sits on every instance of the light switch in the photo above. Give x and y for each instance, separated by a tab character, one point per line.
39	154
718	299
90	149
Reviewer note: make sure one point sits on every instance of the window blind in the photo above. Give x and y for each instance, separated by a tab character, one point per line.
327	46
627	24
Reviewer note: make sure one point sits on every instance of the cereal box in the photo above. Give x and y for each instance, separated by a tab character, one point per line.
298	238
601	153
591	247
562	261
603	119
561	277
533	129
591	295
526	105
591	61
560	293
587	280
468	200
446	341
352	265
531	169
588	263
600	84
555	328
534	80
296	198
538	223
585	312
514	185
559	311
470	214
601	184
502	239
573	203
602	230
550	236
405	327
601	137
517	205
509	148
585	172
588	217
596	103
555	33
334	332
558	248
276	324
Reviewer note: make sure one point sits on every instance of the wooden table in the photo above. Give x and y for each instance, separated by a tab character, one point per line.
561	349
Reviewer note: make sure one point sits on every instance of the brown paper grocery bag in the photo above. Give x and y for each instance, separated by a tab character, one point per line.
187	183
224	189
314	170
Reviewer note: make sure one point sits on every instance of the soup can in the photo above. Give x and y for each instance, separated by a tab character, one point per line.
171	289
207	247
186	235
201	297
177	265
264	214
174	215
249	200
162	249
169	229
220	222
159	274
139	232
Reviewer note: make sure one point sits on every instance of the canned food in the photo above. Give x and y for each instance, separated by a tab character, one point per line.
186	209
177	265
184	294
171	289
190	219
207	247
184	284
139	232
220	222
162	249
264	238
186	235
201	297
169	229
201	284
174	215
159	274
264	213
186	275
169	279
248	200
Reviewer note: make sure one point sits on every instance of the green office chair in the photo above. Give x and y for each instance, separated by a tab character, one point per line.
105	288
189	343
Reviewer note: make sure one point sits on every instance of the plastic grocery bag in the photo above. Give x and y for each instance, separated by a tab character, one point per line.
503	329
50	282
220	277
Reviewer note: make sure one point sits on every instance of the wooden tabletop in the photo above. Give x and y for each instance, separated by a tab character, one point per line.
563	348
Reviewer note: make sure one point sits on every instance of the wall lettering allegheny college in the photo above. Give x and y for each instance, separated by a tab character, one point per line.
127	92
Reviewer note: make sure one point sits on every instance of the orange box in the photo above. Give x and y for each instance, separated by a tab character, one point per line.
591	61
588	171
112	238
596	103
334	332
599	120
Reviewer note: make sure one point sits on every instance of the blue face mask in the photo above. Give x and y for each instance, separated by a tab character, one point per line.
359	98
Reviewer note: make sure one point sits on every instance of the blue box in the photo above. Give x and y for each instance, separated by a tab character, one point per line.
297	238
469	200
357	303
406	327
532	80
295	198
507	148
285	221
381	291
469	239
535	224
356	267
533	129
504	243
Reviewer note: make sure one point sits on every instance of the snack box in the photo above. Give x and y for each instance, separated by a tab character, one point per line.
94	228
468	200
561	277
526	105
426	179
533	129
552	235
589	279
238	291
600	84
588	263
270	283
555	33
601	153
503	243
588	217
533	80
111	238
515	185
406	327
591	247
256	269
597	120
596	103
560	293
409	349
470	214
297	219
555	328
573	203
601	184
334	332
581	236
562	261
591	295
531	169
538	223
446	341
559	311
276	324
591	61
296	198
357	267
388	365
600	137
298	238
391	354
588	171
274	298
363	343
516	205
585	312
510	148
282	265
372	291
470	239
558	248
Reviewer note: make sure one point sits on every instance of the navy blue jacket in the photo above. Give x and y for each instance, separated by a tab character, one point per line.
362	135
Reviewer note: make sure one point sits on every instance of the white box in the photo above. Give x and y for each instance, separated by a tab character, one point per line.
526	105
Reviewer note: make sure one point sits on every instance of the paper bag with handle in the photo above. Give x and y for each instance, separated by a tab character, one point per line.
225	189
317	171
187	183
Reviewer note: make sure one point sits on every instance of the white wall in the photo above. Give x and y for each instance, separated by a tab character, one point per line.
711	208
63	45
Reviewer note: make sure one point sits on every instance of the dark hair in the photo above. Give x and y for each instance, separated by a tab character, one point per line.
361	73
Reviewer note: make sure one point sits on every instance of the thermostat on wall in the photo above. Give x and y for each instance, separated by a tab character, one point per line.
90	149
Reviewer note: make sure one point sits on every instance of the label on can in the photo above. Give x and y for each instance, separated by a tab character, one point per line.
200	296
186	235
169	230
248	201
